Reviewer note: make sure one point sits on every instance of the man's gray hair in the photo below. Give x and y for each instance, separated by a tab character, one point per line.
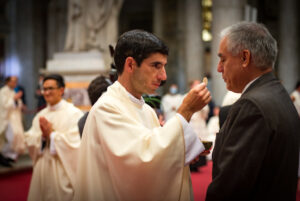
254	37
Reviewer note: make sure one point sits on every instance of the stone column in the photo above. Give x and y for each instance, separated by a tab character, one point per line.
24	48
168	27
193	40
158	18
225	13
289	67
181	61
56	26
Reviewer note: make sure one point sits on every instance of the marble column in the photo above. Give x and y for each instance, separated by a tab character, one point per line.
289	67
193	40
225	13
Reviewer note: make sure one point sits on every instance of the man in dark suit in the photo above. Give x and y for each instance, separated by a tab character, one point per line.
96	88
223	114
256	151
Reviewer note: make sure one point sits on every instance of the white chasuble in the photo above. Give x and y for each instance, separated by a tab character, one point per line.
53	174
126	156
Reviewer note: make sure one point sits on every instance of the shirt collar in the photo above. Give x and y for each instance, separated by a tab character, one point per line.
56	106
132	98
249	83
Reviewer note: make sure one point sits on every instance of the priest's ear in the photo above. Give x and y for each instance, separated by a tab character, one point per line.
130	64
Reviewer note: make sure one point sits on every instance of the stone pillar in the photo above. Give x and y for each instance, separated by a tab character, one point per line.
225	13
167	27
178	24
289	67
193	40
24	47
181	62
157	18
56	26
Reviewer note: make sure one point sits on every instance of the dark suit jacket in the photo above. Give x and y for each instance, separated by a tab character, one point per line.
256	151
223	114
81	123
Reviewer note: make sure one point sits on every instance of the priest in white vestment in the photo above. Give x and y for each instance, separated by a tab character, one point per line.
171	102
125	154
53	142
11	126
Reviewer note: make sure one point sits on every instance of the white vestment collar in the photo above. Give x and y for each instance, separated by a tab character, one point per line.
56	106
132	98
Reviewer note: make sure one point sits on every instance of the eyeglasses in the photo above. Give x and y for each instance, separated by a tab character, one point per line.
49	89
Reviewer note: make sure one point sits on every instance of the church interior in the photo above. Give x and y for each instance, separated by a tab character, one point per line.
33	32
72	38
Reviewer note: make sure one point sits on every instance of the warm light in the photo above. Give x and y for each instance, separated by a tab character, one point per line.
206	20
206	35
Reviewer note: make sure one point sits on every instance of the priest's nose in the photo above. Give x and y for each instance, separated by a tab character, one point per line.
162	75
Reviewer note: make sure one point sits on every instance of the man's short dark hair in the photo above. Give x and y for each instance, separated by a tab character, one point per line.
139	45
59	79
97	87
7	79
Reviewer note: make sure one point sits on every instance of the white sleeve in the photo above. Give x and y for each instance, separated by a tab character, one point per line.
193	145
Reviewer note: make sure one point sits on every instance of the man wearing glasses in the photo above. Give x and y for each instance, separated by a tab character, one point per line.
53	142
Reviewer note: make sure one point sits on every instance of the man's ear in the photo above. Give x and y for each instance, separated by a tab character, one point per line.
129	64
246	56
62	90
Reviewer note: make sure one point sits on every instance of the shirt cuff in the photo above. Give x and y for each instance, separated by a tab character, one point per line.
193	145
52	143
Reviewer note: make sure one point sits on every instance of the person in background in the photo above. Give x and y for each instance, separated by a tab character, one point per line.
23	97
125	154
38	94
198	123
211	104
53	143
171	102
295	96
229	99
256	153
11	126
95	89
198	120
213	127
154	101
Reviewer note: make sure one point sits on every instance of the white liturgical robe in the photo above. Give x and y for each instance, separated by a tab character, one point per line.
11	126
55	165
126	155
170	103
